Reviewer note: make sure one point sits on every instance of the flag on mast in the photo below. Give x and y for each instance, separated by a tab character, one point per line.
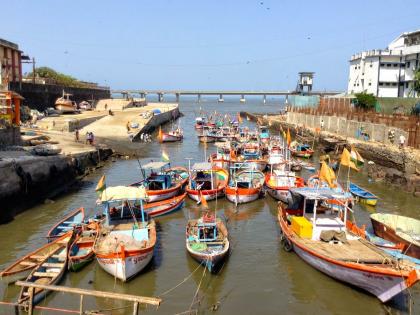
356	158
165	157
288	137
347	161
327	174
101	186
160	134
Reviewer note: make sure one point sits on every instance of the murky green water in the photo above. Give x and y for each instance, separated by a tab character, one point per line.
258	278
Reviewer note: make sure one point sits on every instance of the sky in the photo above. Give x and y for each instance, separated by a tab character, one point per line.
207	44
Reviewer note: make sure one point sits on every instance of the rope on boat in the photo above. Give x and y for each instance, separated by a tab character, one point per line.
198	287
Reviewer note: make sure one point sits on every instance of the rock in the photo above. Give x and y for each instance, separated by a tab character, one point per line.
48	201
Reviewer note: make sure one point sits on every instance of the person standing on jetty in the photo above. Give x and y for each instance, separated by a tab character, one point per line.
128	126
402	141
76	135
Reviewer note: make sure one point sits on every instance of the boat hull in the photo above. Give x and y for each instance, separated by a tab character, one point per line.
242	195
12	278
124	268
162	194
77	264
207	139
170	138
165	207
279	194
207	194
390	234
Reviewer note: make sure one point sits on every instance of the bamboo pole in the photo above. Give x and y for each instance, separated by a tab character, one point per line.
102	294
31	301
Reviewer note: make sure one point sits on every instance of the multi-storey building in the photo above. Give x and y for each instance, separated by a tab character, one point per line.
10	62
388	72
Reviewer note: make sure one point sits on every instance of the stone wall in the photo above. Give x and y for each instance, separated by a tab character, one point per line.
10	136
42	96
346	128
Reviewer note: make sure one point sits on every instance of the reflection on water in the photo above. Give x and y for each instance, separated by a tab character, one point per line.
258	278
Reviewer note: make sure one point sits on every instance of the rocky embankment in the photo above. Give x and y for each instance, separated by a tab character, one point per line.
27	180
400	167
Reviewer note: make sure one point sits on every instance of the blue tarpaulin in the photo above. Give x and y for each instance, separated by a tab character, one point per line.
156	111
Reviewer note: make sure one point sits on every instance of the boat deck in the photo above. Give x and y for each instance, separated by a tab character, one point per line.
352	251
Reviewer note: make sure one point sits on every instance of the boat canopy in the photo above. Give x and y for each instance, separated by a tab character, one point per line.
155	165
203	166
318	193
123	193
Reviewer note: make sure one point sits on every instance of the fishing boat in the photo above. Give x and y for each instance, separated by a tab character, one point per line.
264	134
314	182
159	208
223	156
251	154
207	181
301	150
48	272
208	137
363	195
207	241
276	158
161	181
68	223
64	104
171	136
278	183
81	250
23	266
317	233
398	229
128	237
200	122
244	186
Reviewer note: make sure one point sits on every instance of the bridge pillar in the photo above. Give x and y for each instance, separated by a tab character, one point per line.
199	98
142	95
221	100
242	100
177	95
264	99
160	97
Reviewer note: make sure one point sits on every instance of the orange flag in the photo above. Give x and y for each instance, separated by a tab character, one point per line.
288	137
203	201
239	118
160	135
327	174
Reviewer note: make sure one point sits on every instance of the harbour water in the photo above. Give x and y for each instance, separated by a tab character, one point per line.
258	278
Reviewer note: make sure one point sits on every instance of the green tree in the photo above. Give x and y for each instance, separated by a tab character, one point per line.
365	101
59	78
416	83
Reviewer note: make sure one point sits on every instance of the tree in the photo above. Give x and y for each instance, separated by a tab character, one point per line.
416	83
365	101
57	77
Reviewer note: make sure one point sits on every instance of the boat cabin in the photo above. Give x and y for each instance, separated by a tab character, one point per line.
124	205
264	132
204	178
313	206
156	176
281	178
207	232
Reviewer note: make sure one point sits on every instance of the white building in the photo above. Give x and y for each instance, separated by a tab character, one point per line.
388	72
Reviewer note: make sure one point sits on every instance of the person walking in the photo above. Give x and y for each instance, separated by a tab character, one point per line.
322	124
402	141
128	126
76	135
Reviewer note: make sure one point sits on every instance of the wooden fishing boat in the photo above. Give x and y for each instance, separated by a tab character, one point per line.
199	123
264	134
207	181
244	186
207	241
159	208
251	154
49	271
23	266
317	233
68	223
208	137
278	183
302	150
398	229
64	104
161	181
276	158
363	195
128	237
315	182
223	156
81	250
172	136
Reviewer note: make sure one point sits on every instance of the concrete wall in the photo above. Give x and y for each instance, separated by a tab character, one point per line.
346	128
10	136
68	125
42	96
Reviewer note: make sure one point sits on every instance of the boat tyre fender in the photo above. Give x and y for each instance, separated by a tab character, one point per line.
287	245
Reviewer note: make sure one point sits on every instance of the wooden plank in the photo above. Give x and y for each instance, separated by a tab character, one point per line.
38	257
28	263
46	274
110	295
53	265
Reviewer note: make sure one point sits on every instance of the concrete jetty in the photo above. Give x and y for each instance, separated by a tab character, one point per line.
391	164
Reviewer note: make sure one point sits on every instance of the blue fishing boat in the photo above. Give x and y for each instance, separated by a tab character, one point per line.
68	223
363	195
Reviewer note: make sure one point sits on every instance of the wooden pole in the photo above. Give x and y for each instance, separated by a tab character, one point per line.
81	304
136	308
31	301
102	294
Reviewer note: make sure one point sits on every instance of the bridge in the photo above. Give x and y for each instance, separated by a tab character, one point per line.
178	93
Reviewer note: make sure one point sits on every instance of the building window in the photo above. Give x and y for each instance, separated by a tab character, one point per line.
407	64
382	65
394	84
388	65
381	84
371	65
370	83
406	85
395	65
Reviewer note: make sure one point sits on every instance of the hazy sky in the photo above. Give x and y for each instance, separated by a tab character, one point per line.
258	45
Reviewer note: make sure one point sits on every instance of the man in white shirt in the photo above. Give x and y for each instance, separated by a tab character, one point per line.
402	141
